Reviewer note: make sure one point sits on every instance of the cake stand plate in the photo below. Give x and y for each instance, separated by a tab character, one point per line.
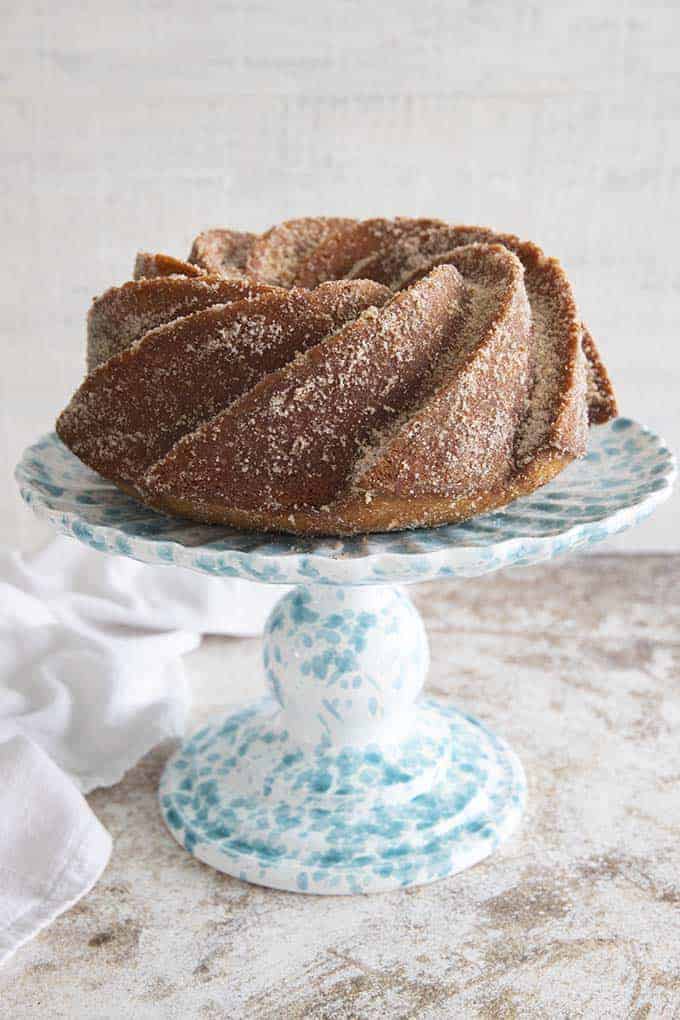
344	779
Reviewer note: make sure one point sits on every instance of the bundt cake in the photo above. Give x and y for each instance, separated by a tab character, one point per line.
334	376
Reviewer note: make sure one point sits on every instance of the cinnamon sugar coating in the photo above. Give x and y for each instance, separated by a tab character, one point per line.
222	251
292	439
150	264
131	410
277	256
334	376
124	314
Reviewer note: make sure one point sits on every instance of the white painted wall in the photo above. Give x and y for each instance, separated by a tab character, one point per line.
136	124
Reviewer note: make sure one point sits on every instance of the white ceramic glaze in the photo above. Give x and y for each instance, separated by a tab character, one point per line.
345	779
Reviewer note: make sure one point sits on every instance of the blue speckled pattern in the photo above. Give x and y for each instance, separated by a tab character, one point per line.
626	474
342	781
324	822
326	662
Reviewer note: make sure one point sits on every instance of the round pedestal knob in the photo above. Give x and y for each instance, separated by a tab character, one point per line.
345	669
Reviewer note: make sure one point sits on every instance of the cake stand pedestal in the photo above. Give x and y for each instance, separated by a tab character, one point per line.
345	779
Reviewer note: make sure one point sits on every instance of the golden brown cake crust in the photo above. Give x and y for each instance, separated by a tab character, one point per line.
277	255
334	376
291	441
124	314
356	516
223	252
149	265
132	409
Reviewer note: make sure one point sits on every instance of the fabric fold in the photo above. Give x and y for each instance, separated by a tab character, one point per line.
52	846
91	678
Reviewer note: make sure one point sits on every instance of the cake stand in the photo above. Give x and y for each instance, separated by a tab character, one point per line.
344	779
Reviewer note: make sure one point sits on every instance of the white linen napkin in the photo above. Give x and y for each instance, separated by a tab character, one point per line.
52	847
90	680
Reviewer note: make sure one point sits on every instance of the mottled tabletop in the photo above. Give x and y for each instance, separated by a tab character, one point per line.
577	664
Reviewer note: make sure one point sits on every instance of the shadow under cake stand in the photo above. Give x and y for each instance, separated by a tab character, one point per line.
345	779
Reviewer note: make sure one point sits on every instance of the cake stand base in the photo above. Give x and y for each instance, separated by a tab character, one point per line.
342	782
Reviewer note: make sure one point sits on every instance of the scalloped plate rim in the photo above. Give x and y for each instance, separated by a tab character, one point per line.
338	563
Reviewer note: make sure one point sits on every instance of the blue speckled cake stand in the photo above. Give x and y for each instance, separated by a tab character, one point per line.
345	780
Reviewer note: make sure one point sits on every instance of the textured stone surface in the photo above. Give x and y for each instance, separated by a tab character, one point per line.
577	664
